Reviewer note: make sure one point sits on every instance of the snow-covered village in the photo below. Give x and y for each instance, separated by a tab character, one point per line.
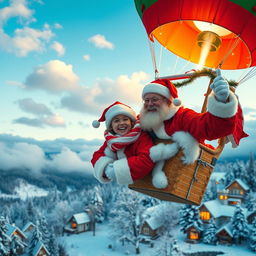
114	220
128	128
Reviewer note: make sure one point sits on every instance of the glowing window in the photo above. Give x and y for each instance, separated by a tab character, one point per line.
73	225
193	235
205	215
223	197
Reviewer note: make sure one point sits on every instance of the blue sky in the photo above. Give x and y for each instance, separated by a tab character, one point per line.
63	62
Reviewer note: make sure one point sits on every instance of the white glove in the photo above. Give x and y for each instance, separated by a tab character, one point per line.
110	172
220	87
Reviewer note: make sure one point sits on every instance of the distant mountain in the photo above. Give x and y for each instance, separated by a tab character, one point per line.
47	179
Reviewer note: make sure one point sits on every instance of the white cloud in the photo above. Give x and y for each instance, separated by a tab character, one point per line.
21	155
68	161
25	39
30	106
105	91
44	116
54	120
17	8
55	76
87	57
25	155
58	26
100	42
58	47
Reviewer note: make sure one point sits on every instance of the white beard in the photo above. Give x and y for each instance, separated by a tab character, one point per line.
151	120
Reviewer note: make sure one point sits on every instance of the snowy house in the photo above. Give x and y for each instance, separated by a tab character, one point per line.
224	234
151	227
78	223
15	231
40	250
152	224
221	213
29	227
237	189
194	233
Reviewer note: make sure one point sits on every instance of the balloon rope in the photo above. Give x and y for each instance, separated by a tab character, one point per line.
231	48
153	56
160	58
249	75
176	64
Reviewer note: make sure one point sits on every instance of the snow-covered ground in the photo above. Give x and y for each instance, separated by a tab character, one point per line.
85	244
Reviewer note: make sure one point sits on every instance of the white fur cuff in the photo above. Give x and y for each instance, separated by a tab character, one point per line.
122	171
220	109
99	168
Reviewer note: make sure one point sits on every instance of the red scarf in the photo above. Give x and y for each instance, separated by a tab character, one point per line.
117	142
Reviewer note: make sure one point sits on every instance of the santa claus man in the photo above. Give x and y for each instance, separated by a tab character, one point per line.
163	116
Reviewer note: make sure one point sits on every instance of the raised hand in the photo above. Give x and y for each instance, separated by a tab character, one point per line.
220	87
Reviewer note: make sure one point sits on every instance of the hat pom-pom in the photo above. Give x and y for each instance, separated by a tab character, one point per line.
177	102
96	124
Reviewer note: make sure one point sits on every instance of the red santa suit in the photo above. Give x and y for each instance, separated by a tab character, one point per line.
130	163
129	153
188	128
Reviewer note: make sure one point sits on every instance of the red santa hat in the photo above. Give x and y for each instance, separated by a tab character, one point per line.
113	110
163	87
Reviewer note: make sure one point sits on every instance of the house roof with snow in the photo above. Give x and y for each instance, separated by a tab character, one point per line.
217	209
11	229
154	222
240	182
227	228
81	218
39	246
29	224
194	225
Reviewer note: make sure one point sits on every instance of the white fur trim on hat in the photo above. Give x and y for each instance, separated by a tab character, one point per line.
176	102
95	124
156	88
119	109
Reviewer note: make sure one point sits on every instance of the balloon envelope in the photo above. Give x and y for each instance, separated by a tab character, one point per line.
173	23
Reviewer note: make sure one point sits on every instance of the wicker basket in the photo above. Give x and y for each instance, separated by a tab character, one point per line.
186	183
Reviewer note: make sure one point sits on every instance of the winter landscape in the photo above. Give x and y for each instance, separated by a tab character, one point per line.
62	63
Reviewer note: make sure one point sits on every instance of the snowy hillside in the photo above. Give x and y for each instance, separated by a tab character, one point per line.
25	190
89	245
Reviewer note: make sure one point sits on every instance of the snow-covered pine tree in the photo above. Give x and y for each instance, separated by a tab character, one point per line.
252	238
96	203
36	237
239	224
126	220
4	239
53	247
250	201
31	211
229	176
44	229
251	173
189	214
209	234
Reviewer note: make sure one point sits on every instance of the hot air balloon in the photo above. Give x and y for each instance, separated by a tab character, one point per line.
214	34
